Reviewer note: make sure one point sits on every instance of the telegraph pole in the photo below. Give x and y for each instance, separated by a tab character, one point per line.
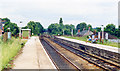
20	30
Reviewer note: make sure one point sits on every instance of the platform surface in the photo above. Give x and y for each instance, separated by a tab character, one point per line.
33	56
109	48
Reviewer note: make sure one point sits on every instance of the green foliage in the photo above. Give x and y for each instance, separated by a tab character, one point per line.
67	32
54	29
57	29
9	51
119	31
81	26
36	27
69	28
14	29
61	22
89	26
110	28
25	27
98	29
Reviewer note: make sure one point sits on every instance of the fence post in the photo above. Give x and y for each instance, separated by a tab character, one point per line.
5	37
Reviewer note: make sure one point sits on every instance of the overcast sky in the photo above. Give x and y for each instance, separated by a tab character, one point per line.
94	12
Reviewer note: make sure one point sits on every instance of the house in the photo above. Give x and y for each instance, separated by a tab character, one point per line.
85	33
26	33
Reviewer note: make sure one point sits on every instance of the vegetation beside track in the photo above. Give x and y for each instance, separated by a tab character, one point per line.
85	39
9	50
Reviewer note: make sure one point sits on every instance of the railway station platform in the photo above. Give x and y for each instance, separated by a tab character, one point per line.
33	56
104	47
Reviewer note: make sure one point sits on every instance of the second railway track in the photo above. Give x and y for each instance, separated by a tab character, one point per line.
103	63
96	61
59	60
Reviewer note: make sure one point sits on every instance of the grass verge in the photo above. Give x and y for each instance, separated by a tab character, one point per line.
85	39
9	50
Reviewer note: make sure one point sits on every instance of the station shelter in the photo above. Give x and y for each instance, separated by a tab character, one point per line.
26	33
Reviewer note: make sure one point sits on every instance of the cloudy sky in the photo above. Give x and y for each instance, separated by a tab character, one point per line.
94	12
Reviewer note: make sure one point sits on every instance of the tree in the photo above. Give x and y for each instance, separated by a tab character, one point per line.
119	31
14	29
25	27
81	26
31	25
67	32
90	27
98	29
35	27
54	29
70	27
110	28
116	32
61	21
61	24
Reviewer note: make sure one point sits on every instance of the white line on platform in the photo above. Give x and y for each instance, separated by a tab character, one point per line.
48	57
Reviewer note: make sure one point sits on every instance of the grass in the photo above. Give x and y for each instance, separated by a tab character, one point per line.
78	38
8	51
85	39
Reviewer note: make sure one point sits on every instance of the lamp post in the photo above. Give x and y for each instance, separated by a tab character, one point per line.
102	33
20	30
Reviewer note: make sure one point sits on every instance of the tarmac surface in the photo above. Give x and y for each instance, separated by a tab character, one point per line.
33	56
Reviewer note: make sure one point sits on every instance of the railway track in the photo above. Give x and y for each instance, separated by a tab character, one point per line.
59	60
90	58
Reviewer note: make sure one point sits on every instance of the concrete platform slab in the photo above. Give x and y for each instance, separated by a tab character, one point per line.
33	57
109	48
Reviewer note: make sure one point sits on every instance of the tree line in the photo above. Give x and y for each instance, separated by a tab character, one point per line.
14	29
36	27
59	28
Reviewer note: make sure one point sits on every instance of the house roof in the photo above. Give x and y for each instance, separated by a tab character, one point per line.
85	32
